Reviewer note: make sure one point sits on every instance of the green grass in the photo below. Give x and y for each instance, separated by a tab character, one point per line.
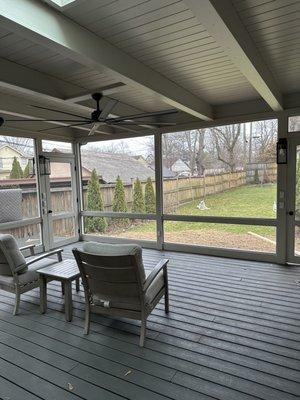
254	201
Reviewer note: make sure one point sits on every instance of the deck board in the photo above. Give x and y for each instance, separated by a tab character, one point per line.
233	332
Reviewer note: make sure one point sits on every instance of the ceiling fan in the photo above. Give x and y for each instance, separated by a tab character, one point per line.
99	117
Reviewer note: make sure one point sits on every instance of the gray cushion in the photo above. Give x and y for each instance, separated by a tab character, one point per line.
107	249
11	257
30	275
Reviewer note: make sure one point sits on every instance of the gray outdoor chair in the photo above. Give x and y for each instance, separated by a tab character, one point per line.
17	273
115	282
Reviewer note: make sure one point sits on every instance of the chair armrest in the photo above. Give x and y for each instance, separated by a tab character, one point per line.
153	274
29	247
45	255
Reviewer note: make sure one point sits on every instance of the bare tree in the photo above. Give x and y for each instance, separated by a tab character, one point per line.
191	149
24	145
170	151
227	144
187	145
114	147
265	134
294	123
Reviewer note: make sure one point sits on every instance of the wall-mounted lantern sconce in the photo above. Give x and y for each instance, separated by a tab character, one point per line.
45	168
282	151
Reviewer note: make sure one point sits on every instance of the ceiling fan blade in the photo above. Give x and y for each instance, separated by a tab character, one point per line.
94	128
61	112
143	123
144	115
65	126
43	120
108	108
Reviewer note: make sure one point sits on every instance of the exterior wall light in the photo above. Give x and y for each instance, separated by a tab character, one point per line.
282	151
45	168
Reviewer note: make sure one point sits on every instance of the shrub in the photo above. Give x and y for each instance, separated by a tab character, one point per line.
95	203
150	206
138	205
26	171
119	202
16	170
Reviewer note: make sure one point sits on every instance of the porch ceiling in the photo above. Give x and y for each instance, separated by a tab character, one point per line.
208	59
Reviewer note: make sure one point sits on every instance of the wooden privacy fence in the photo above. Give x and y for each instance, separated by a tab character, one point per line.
261	172
184	190
177	191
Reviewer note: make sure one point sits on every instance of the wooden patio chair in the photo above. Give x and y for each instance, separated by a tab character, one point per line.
115	282
17	273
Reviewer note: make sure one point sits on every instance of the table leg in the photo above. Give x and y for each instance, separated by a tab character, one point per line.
77	285
43	294
68	301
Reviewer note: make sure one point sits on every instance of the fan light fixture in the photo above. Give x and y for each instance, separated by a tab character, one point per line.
99	116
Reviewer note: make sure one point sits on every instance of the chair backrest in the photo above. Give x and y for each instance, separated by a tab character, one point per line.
11	259
113	275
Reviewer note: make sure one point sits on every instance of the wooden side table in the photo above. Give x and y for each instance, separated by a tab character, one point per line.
66	272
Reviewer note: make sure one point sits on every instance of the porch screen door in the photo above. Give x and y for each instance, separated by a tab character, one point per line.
60	203
293	202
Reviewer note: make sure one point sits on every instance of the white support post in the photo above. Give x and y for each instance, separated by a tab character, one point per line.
282	196
42	197
79	193
159	190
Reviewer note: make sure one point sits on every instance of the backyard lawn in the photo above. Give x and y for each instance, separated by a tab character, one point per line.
245	201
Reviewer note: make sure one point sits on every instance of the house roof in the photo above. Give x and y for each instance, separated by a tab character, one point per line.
167	173
3	146
109	166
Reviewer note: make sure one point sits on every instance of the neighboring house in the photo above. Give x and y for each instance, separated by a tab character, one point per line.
110	165
62	170
141	159
167	173
150	159
7	154
180	167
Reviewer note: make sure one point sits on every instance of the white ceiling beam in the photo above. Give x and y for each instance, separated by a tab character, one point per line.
41	24
223	23
29	133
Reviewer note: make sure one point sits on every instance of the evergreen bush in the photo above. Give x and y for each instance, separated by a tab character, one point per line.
95	203
16	170
150	206
119	203
26	171
138	205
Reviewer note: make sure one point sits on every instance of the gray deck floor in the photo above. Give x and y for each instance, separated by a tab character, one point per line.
232	334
